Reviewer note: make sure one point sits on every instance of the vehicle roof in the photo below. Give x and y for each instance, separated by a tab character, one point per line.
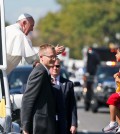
30	66
24	66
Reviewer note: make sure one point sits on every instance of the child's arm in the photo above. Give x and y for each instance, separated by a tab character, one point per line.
117	80
116	75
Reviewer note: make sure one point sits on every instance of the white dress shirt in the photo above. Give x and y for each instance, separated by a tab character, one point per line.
57	80
18	45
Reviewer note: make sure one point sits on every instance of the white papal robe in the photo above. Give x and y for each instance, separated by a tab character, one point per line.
18	45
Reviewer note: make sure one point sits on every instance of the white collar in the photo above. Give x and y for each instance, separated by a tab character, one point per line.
57	79
17	25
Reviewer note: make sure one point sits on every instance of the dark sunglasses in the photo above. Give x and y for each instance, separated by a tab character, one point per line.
57	66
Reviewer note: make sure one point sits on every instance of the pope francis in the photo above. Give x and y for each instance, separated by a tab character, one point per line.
18	44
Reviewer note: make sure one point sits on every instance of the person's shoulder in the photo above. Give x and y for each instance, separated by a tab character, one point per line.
11	27
16	30
36	72
39	69
66	80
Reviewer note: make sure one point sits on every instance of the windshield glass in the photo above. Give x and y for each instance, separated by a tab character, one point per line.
106	72
18	77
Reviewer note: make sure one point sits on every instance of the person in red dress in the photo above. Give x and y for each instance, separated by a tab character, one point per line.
114	104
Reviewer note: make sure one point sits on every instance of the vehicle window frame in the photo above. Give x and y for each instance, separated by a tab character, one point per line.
3	61
2	88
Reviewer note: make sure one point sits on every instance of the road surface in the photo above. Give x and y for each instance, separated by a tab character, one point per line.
91	123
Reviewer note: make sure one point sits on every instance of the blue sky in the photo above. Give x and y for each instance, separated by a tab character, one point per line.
37	8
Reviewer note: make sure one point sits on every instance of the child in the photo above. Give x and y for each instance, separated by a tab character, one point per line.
114	104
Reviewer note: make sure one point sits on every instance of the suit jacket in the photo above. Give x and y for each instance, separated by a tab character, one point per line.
38	104
61	123
70	102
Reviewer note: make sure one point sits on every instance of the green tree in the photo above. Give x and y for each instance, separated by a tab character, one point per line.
80	23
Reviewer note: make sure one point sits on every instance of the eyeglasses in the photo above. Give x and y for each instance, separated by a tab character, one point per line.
57	66
51	56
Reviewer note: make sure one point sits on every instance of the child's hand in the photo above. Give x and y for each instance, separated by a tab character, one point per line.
59	49
116	75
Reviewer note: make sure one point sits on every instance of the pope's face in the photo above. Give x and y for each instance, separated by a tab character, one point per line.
28	26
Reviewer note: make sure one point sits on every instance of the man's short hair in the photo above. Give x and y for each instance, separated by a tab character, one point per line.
44	47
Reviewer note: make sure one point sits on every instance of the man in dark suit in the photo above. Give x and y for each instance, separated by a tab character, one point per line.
61	122
68	95
38	110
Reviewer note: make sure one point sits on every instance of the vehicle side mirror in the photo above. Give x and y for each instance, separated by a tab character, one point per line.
77	83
